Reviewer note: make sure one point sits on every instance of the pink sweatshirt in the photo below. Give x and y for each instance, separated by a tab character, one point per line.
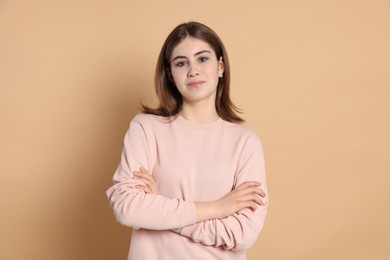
189	162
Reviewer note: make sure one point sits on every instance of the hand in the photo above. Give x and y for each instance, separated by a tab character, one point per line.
246	195
147	179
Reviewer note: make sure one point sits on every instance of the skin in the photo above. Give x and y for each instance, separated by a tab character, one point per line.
195	70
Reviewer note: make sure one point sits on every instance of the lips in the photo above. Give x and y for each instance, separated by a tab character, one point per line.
194	84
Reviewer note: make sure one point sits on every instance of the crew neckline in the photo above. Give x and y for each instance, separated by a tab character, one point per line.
213	124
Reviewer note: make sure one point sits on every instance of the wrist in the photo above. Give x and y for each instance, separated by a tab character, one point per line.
206	210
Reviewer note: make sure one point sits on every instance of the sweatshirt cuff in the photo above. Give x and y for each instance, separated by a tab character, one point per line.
188	230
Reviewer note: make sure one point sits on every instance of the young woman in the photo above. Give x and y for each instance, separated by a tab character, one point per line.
191	181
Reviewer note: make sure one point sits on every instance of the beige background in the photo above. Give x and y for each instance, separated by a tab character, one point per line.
312	77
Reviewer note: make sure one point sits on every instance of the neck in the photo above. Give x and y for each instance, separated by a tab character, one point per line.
199	114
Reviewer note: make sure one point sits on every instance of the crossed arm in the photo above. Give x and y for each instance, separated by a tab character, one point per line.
247	195
232	221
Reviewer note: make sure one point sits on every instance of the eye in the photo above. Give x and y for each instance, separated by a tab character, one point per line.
180	63
203	59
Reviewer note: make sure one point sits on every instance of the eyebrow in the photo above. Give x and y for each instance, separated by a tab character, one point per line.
196	54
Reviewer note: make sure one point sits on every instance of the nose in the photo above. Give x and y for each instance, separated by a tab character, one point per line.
193	71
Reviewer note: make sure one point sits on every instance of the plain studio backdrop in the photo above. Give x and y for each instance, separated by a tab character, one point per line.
312	78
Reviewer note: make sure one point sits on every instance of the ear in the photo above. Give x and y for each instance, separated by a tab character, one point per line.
221	66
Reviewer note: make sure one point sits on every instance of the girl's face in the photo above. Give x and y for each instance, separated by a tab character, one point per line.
195	70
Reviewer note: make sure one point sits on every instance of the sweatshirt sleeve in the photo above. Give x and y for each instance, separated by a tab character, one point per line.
240	230
133	207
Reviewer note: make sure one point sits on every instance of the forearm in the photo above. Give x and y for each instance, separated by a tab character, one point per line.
234	221
206	210
149	211
247	195
236	232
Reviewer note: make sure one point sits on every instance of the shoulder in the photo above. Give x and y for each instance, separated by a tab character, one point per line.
148	119
241	130
244	137
149	123
248	142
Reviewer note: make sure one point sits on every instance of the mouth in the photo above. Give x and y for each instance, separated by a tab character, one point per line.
195	84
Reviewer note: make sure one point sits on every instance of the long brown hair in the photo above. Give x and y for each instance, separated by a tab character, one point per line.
171	101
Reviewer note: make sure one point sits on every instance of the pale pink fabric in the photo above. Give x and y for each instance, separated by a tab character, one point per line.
189	162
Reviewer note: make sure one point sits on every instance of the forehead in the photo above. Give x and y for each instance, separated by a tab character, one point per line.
190	46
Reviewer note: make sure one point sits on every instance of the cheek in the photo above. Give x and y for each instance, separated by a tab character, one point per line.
176	76
214	74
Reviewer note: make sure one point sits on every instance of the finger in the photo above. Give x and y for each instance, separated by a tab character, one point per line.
153	188
147	180
250	205
253	207
144	188
247	184
139	173
258	197
256	191
142	169
262	194
144	175
250	191
259	201
147	189
253	198
259	192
